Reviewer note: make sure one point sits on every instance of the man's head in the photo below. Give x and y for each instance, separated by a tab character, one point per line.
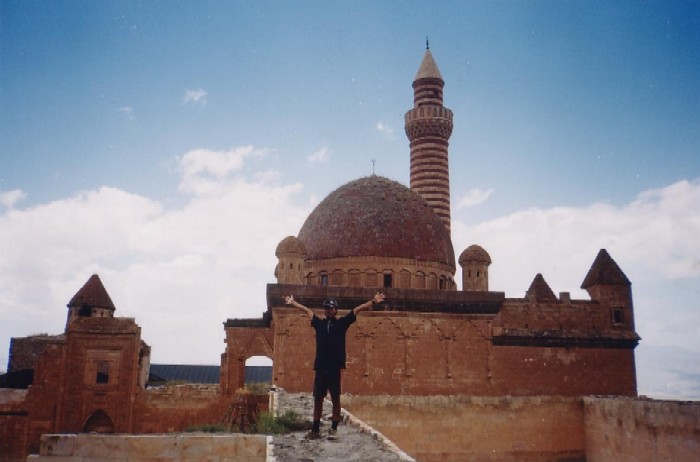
330	307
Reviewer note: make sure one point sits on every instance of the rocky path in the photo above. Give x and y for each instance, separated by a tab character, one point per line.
356	441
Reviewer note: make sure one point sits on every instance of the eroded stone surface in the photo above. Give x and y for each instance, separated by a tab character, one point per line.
354	443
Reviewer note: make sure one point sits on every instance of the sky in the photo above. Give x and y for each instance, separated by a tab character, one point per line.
170	146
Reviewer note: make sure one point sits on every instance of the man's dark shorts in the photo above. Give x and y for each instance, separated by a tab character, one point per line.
325	382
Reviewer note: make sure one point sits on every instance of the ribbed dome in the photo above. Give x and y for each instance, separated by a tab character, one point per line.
376	217
290	245
474	253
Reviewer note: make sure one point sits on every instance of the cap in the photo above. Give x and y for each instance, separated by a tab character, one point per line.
330	303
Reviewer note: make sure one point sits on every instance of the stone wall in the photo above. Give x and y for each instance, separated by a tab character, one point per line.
447	342
641	430
24	351
142	448
401	353
13	424
458	428
534	429
175	408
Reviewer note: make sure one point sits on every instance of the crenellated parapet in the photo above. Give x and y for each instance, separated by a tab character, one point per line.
426	121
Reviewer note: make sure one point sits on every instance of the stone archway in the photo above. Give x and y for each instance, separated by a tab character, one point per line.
98	422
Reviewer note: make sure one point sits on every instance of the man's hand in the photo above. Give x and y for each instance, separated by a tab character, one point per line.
378	298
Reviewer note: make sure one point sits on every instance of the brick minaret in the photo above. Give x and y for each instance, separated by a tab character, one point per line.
428	127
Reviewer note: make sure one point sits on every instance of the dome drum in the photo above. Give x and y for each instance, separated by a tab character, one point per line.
402	273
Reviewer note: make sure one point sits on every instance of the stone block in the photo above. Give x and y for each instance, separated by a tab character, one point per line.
57	445
166	447
96	445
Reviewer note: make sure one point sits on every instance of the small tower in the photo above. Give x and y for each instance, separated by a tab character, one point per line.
428	128
291	254
91	301
607	284
475	263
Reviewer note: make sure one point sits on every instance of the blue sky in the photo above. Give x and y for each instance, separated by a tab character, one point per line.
169	146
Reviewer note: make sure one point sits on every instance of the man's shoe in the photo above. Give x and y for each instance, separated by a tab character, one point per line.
332	434
312	435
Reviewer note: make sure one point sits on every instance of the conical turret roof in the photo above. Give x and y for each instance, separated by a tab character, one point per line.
541	290
605	271
92	294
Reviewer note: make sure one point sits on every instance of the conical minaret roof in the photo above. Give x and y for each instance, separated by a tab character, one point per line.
92	294
428	68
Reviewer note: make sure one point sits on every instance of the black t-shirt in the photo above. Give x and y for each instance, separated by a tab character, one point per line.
330	341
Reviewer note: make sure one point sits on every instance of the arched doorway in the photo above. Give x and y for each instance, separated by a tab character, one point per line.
98	422
258	372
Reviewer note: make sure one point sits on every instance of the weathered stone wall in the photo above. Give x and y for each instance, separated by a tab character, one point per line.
523	371
143	448
241	344
13	424
437	353
176	408
438	342
101	372
46	397
459	428
24	351
641	430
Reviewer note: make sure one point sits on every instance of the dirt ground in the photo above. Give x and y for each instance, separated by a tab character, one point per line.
356	441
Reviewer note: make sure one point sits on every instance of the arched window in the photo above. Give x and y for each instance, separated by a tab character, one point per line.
405	279
98	422
420	280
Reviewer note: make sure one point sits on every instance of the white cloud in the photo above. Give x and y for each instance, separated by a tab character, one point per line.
654	240
10	198
473	197
128	111
385	130
180	273
197	96
205	171
319	157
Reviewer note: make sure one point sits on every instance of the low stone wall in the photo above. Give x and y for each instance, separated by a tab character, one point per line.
174	408
459	428
641	430
142	448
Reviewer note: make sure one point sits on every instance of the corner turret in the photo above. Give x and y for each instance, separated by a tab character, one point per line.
291	254
475	263
606	283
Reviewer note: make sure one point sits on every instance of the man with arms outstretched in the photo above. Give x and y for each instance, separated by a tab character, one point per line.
330	356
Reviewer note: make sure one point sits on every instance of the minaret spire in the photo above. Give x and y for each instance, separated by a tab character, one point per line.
428	128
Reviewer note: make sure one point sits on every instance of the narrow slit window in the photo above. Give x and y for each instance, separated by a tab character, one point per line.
617	316
102	375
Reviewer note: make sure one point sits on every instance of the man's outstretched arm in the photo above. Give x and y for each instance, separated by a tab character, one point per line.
290	301
376	300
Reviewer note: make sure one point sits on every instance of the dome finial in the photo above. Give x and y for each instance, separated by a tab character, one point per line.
427	44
